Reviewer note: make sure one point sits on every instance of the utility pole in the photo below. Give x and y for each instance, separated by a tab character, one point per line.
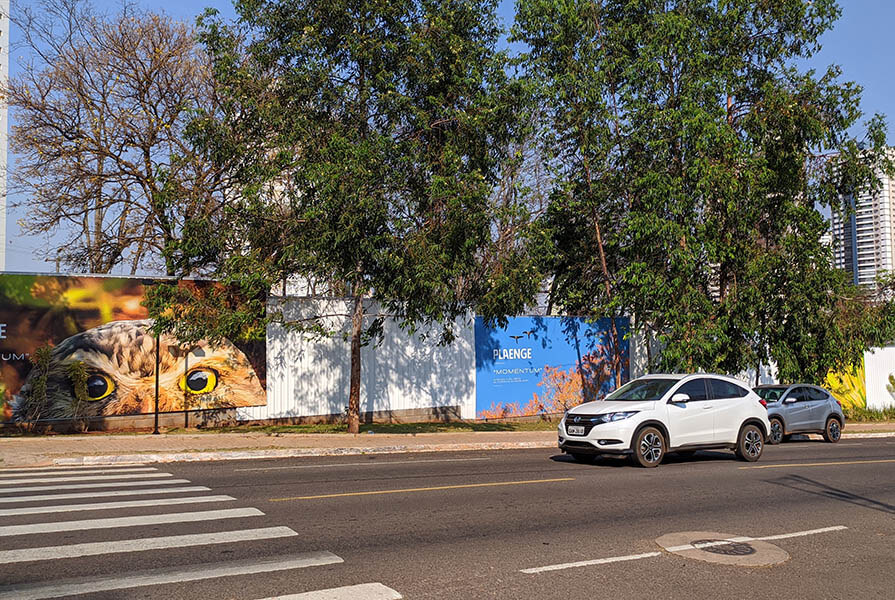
4	125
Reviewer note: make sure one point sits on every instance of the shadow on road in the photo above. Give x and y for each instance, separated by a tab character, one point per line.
810	486
669	459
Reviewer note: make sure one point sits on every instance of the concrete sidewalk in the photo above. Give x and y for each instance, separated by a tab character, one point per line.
144	448
104	449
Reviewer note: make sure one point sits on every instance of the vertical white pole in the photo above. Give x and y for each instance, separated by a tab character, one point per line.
4	124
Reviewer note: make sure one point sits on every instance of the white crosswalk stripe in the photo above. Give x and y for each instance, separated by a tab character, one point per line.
81	483
134	580
71	468
58	508
142	544
153	491
205	515
90	486
10	475
364	591
14	482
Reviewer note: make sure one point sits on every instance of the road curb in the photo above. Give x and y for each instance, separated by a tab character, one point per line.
168	457
291	453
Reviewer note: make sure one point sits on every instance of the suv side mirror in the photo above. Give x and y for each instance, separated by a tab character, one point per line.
789	400
679	399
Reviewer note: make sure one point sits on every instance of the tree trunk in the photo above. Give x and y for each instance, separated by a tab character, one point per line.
616	342
649	351
357	326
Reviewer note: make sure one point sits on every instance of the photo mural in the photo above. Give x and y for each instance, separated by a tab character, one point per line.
849	387
544	365
101	324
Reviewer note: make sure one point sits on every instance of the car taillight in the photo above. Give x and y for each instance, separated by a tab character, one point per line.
763	402
839	403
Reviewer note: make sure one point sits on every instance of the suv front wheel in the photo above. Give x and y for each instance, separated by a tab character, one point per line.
648	447
750	443
776	434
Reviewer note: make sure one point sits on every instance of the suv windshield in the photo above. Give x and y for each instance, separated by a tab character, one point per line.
642	389
771	394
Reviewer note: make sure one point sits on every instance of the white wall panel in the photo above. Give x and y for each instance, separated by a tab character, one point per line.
879	364
308	375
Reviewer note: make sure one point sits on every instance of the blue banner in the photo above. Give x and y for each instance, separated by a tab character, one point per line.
539	365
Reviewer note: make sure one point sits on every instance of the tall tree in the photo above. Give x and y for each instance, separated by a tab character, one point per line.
368	138
100	106
684	141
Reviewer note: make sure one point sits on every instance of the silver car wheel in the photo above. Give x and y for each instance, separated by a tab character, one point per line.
835	430
651	448
776	432
752	443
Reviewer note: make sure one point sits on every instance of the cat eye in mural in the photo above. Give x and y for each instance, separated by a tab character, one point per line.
100	323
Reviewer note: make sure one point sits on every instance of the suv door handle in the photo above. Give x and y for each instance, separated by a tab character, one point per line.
706	406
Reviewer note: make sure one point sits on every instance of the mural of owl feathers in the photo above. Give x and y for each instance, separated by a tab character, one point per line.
120	361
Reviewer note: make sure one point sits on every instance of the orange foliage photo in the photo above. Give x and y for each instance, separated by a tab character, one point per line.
559	389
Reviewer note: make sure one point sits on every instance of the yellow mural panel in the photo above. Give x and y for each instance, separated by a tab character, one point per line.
849	386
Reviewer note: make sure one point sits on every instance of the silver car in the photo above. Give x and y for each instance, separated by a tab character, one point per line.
801	408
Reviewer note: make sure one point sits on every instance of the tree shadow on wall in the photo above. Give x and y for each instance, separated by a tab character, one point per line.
412	372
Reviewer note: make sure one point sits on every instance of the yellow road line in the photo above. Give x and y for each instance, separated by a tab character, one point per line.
426	489
823	464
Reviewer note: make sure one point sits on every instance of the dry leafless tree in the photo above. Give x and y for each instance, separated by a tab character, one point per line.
99	111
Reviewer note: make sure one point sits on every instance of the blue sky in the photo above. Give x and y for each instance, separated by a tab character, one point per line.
861	43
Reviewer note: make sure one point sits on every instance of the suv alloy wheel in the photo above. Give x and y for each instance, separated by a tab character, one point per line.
750	443
832	430
775	436
649	447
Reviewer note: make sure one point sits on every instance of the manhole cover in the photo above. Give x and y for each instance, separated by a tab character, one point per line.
722	548
725	547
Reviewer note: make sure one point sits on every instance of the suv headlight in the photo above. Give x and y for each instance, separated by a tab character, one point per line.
618	416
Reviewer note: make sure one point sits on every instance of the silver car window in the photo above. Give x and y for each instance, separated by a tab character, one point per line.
817	394
797	394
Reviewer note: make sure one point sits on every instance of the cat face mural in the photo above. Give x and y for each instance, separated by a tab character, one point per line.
119	358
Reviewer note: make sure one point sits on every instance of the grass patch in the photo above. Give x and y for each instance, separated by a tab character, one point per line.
857	414
385	428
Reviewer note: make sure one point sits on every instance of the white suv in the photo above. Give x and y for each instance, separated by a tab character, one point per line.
655	414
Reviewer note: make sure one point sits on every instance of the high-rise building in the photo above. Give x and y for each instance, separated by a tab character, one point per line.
864	241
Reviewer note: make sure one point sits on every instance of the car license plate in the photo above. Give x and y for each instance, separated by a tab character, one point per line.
575	429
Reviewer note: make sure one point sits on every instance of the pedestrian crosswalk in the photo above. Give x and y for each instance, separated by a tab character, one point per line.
171	515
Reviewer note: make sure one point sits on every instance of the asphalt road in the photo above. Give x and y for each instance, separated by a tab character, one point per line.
464	525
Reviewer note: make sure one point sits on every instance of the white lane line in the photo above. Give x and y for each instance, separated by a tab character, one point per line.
784	536
189	517
603	561
364	591
142	544
41	497
587	563
734	540
12	482
68	468
90	486
58	508
162	577
11	475
367	463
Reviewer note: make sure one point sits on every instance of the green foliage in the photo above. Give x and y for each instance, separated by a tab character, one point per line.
860	414
77	374
689	150
37	392
384	428
365	142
